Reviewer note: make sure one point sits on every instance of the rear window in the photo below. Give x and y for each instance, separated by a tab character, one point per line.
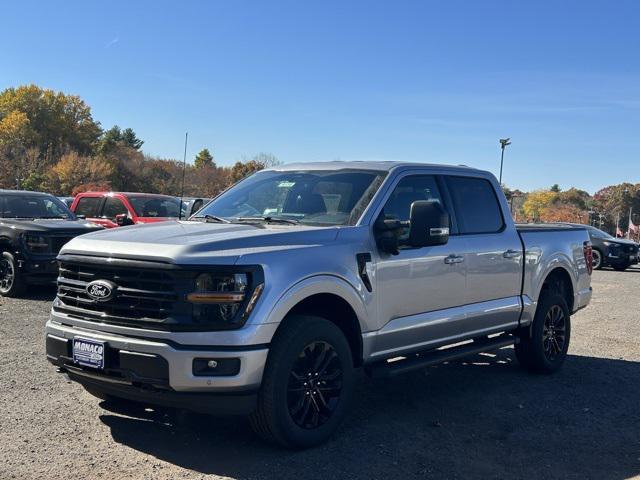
88	206
476	205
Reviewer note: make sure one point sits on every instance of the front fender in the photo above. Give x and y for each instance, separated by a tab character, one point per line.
317	284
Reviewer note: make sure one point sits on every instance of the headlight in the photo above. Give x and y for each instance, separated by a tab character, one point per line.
37	243
224	300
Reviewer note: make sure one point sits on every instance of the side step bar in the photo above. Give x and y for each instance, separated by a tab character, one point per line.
427	358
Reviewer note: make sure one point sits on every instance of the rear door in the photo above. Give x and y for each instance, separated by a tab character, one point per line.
493	253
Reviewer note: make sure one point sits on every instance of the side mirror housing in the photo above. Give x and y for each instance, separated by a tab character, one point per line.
429	224
81	217
123	220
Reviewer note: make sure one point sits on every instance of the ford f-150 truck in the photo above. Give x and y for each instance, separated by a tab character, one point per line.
266	301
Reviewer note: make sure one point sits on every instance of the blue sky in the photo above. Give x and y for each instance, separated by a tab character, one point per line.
309	81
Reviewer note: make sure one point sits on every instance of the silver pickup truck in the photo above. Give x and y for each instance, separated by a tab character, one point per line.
266	301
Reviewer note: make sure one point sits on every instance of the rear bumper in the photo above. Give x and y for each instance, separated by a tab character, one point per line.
582	298
161	372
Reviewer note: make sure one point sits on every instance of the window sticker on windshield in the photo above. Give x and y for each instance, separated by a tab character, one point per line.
285	184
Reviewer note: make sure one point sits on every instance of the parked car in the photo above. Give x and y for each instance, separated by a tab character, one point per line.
33	228
266	302
68	201
191	205
618	253
113	209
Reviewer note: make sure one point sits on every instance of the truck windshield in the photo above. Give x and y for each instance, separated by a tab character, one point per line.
308	197
155	206
33	206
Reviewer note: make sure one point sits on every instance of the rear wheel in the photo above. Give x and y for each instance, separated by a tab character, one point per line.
11	282
597	259
544	348
307	384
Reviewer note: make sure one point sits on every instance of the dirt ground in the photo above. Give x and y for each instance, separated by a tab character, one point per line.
483	418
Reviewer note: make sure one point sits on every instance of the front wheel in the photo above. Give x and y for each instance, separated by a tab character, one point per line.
307	384
11	282
597	259
544	348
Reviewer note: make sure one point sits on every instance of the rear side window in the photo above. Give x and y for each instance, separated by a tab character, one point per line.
476	205
88	206
113	207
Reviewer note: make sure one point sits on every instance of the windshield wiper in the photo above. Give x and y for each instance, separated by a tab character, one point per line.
267	219
213	218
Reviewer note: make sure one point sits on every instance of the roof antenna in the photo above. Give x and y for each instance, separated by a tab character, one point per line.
184	168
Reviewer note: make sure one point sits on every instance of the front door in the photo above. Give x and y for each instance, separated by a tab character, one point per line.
417	287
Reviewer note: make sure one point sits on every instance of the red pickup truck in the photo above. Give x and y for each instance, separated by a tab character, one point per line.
114	209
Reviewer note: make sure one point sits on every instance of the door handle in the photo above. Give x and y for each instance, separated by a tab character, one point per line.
451	259
511	254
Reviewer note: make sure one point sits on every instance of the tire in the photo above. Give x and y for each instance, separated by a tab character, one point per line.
622	267
11	282
544	348
299	405
597	259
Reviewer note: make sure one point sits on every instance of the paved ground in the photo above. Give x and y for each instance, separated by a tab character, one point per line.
484	418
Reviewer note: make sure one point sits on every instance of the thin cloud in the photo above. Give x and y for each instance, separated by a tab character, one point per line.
113	41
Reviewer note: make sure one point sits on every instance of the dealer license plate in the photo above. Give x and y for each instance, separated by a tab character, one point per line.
88	353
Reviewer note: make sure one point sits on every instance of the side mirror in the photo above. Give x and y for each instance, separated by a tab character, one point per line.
81	217
429	224
123	220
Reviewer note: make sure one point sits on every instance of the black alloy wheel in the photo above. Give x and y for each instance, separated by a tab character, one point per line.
597	259
7	275
554	333
315	384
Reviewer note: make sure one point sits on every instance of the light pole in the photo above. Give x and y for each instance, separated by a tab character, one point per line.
503	143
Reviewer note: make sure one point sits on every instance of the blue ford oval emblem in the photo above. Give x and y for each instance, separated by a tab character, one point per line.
100	290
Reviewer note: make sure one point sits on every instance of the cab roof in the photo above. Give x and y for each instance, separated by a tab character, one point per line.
382	166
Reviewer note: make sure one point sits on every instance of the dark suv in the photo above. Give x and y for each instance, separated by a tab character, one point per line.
33	228
618	253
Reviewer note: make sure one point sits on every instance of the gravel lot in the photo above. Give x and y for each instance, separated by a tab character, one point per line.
484	418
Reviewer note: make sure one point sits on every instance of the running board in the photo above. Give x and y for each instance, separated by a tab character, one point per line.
427	358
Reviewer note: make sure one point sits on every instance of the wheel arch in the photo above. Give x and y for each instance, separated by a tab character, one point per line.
559	279
328	297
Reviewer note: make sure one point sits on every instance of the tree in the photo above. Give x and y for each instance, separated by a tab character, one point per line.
536	202
130	139
246	167
74	170
57	122
555	188
204	159
115	137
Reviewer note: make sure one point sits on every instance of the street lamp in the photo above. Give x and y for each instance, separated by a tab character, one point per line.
503	143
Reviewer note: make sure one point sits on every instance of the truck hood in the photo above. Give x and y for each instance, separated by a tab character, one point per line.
50	225
197	243
622	241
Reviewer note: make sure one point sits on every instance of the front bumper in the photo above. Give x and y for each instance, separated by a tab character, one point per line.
160	371
38	269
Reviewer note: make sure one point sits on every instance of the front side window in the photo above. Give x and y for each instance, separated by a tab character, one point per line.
308	197
88	206
476	205
156	207
33	206
112	207
410	189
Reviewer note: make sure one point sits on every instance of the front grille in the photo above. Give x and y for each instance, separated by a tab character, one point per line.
142	294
